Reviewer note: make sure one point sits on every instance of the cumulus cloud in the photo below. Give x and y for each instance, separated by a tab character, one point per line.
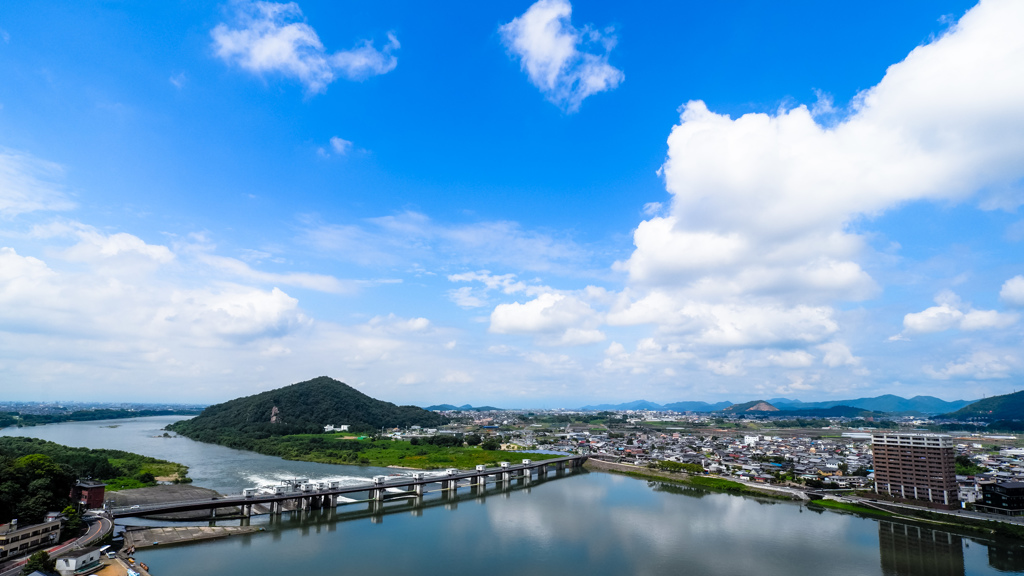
548	312
101	304
549	50
1013	291
269	37
952	313
727	324
760	239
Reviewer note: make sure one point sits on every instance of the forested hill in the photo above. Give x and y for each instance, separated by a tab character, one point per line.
1005	407
36	476
303	408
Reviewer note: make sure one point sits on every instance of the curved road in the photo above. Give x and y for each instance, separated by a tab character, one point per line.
99	526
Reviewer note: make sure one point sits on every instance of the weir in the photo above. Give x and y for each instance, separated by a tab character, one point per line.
307	496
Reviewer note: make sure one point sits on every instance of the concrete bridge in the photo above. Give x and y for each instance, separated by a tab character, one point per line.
307	496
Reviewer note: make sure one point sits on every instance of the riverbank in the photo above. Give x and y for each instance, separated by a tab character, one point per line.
703	482
385	452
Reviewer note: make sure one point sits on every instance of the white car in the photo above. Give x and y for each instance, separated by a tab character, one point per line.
136	507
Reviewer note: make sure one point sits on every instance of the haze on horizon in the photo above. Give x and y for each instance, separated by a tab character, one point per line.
515	204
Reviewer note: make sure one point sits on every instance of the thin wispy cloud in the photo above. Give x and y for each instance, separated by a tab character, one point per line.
555	55
29	184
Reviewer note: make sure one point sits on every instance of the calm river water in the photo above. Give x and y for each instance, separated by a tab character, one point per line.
580	523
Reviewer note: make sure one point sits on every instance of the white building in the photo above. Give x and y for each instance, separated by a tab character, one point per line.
84	561
333	428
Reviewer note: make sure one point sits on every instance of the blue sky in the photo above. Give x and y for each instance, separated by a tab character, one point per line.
521	204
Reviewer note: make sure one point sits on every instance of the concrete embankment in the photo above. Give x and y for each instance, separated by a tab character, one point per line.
171	493
142	537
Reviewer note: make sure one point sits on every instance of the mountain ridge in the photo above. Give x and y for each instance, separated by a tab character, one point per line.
1003	407
883	403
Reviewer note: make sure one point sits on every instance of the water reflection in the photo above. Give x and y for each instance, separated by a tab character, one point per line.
1006	558
909	550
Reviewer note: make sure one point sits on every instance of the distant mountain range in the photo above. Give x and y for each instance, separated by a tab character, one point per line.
886	403
677	406
464	408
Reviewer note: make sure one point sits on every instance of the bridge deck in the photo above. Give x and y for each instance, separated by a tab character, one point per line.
388	485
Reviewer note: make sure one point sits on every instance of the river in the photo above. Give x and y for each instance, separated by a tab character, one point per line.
580	523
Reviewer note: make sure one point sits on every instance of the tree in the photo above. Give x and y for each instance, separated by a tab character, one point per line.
74	519
491	444
473	439
39	561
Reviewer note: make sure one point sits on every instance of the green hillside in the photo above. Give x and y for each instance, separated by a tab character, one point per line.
303	408
1005	407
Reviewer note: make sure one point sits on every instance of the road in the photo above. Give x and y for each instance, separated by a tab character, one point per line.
99	526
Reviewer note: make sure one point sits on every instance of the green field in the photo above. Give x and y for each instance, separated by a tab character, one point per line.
339	449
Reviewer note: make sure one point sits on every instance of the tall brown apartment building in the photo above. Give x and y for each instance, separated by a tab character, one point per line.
915	467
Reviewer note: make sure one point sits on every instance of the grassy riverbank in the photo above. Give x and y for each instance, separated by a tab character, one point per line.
342	449
847	507
703	482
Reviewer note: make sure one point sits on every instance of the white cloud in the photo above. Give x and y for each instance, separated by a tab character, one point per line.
838	354
268	37
759	241
727	324
548	47
465	298
548	312
28	184
93	246
791	359
340	145
979	366
1013	291
104	304
579	336
952	313
396	325
731	365
648	353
